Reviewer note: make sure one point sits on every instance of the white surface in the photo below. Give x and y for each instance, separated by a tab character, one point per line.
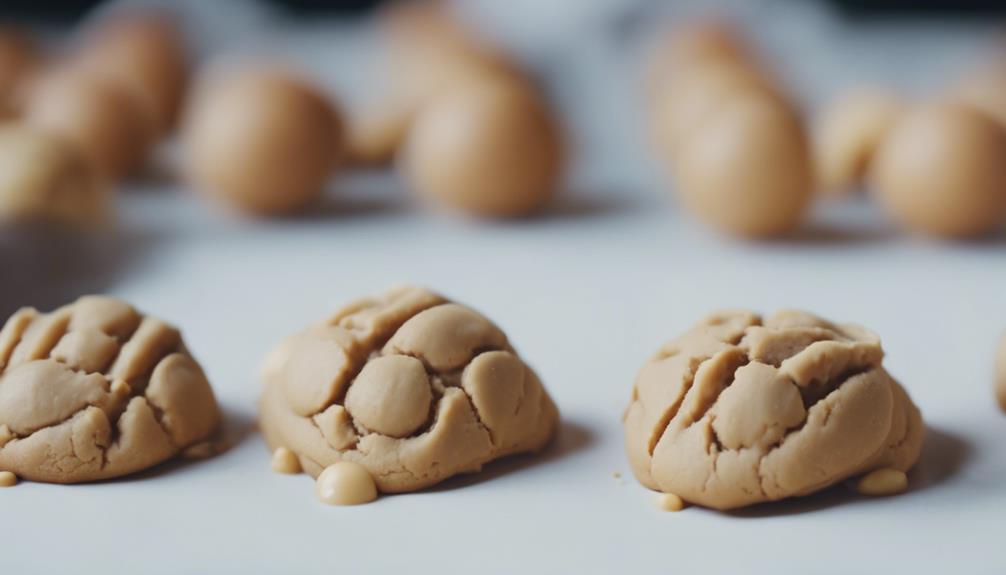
585	294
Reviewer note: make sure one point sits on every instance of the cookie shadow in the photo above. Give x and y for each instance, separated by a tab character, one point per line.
237	427
943	455
49	266
821	234
571	438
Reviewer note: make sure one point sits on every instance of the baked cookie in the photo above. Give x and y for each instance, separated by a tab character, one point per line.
409	385
95	390
741	410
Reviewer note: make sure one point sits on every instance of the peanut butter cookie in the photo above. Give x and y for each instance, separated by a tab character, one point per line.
741	410
95	390
410	386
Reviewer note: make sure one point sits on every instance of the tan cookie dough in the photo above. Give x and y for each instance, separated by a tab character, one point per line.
409	385
741	410
1001	374
95	390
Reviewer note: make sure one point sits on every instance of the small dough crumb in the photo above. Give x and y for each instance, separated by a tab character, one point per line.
285	461
7	479
670	502
882	482
345	483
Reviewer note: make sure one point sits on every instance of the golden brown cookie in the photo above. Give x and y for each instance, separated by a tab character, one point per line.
741	410
95	390
410	386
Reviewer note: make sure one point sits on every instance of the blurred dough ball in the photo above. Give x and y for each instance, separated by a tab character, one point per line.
17	59
685	104
747	169
985	89
430	52
44	180
145	51
95	114
261	141
694	47
487	148
847	135
941	170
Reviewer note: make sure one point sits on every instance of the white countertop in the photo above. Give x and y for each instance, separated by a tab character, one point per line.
586	293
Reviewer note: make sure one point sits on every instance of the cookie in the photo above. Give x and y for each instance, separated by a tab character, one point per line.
95	390
741	410
409	385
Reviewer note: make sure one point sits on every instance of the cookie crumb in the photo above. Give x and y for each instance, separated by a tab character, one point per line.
345	483
881	482
616	475
285	461
7	479
670	502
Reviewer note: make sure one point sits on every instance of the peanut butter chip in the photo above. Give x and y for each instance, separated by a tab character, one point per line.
7	479
670	502
345	483
882	482
285	461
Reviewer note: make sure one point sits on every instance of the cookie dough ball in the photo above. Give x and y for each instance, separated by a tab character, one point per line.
692	48
740	410
96	390
145	51
262	141
747	170
941	170
847	134
17	59
985	89
94	114
692	97
44	180
1001	373
412	387
490	149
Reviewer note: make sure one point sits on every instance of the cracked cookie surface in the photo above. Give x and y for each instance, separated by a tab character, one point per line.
95	390
741	410
410	385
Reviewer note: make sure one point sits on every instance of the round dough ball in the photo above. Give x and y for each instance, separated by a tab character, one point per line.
487	148
693	48
44	180
683	106
17	60
740	410
145	51
1001	373
985	89
847	134
410	386
95	390
262	141
747	169
391	396
94	114
941	170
